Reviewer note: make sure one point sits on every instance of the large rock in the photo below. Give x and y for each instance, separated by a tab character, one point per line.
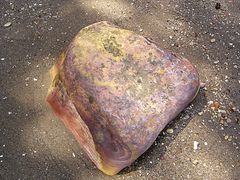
116	90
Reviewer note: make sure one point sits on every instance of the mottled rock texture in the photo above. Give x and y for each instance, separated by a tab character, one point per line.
116	91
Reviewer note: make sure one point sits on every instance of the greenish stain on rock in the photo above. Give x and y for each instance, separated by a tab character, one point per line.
110	45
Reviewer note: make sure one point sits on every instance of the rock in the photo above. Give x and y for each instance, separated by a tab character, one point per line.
195	162
215	106
186	117
107	88
213	40
169	131
218	6
230	138
222	111
73	154
8	24
195	145
202	84
226	137
225	124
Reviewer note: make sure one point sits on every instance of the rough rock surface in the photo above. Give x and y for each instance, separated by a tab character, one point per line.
111	85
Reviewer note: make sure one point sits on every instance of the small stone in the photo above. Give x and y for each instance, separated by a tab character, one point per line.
216	62
200	113
9	113
2	59
195	162
218	6
202	85
230	138
141	30
191	43
215	106
73	154
195	145
34	79
226	137
225	124
222	111
24	154
169	131
8	24
213	40
186	117
1	156
12	6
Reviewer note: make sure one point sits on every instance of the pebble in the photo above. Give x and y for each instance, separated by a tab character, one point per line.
213	40
218	6
73	154
200	113
141	30
226	137
202	85
2	59
195	162
195	145
9	113
170	131
8	24
1	156
186	117
222	111
215	105
24	154
230	138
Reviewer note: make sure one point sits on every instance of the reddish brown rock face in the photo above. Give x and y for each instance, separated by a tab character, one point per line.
116	91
